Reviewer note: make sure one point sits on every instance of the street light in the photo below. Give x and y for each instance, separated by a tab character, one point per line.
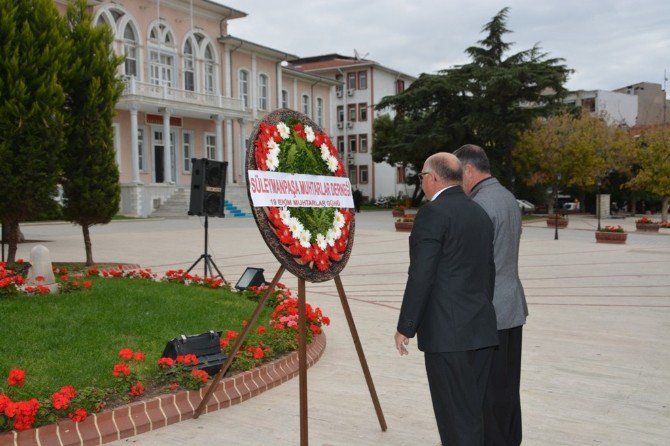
558	179
598	202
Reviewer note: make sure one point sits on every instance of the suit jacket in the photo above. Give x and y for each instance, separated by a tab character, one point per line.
447	300
509	299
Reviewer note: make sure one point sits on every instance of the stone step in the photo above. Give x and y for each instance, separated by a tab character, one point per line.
236	204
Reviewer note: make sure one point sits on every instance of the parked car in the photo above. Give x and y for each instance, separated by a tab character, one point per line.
526	206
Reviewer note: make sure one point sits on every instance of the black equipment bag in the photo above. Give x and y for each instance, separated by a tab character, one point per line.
204	346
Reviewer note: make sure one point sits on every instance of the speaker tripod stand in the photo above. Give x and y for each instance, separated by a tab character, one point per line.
205	257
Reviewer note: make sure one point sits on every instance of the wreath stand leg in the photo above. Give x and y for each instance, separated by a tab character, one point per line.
239	342
361	355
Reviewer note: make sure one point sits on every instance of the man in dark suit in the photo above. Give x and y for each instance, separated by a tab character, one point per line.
447	300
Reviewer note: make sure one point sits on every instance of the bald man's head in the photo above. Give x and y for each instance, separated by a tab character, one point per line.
446	166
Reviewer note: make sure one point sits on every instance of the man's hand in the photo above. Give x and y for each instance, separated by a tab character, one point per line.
400	342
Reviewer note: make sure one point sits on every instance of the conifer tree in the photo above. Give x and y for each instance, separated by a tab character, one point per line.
91	174
32	45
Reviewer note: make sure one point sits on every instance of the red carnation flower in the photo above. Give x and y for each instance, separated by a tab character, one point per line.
79	415
121	369
17	377
126	353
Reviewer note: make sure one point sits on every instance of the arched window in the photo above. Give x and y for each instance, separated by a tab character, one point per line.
161	58
130	50
189	66
244	87
209	70
305	104
263	92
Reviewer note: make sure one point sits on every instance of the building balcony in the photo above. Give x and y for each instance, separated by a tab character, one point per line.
149	95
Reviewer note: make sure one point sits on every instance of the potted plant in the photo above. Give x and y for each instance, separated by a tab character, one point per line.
611	234
404	223
398	211
559	220
665	224
645	224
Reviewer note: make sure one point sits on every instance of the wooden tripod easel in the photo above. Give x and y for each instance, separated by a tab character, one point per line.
302	352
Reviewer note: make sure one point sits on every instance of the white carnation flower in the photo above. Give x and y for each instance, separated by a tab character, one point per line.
338	220
321	241
332	164
272	162
273	145
295	227
330	237
274	152
325	152
306	239
284	131
309	133
337	232
285	215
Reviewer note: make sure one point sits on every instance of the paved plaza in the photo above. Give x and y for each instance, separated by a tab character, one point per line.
596	348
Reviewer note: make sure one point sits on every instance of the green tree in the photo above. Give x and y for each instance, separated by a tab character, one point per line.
32	45
653	176
490	100
579	149
90	173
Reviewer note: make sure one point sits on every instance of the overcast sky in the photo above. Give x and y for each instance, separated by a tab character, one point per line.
609	43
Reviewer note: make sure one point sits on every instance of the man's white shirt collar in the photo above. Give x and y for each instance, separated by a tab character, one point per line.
437	194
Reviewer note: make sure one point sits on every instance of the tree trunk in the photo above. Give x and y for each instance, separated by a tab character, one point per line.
633	205
664	207
87	244
13	239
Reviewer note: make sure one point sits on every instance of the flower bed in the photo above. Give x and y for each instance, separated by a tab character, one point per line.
560	221
611	234
404	223
646	224
132	377
398	211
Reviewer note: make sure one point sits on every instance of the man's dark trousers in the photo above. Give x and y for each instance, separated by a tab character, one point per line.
502	403
457	383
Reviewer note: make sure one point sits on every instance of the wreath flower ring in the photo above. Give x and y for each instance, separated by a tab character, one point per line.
315	237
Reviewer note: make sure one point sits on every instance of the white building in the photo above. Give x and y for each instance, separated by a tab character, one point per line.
362	85
618	108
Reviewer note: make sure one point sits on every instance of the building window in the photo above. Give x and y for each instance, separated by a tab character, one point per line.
130	50
210	75
305	104
244	87
284	99
351	81
319	111
352	143
353	175
340	145
210	146
399	86
189	66
589	104
340	113
362	80
161	68
351	112
187	152
140	149
400	174
339	87
363	174
363	112
263	92
363	143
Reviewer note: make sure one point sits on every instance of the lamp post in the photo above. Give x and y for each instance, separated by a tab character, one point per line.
558	179
598	202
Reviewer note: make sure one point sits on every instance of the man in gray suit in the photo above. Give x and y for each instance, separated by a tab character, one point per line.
502	404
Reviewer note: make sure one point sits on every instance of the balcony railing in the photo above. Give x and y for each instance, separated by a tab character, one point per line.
149	90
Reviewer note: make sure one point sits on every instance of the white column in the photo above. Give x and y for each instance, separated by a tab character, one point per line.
296	104
167	165
243	148
218	119
280	83
229	151
228	73
253	85
134	149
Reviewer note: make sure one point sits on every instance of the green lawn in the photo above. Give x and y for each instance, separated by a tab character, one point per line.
74	338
